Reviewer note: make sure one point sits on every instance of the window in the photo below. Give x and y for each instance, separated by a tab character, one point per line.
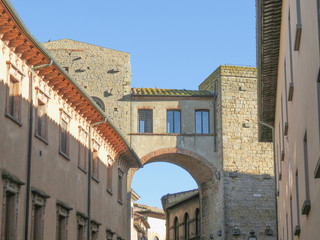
120	182
11	190
145	121
64	136
202	121
62	220
197	222
41	121
306	205
173	121
109	234
95	164
176	228
109	175
297	228
99	102
81	226
82	149
94	230
13	108
38	207
186	226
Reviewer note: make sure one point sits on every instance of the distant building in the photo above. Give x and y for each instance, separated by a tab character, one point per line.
183	215
148	223
289	102
49	189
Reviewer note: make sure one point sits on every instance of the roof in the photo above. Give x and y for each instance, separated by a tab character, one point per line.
170	92
141	208
17	37
268	45
171	200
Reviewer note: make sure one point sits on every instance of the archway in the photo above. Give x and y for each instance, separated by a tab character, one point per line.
204	173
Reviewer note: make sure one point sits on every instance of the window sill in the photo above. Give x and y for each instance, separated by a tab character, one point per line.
42	139
109	191
14	119
96	179
64	155
306	207
120	202
83	170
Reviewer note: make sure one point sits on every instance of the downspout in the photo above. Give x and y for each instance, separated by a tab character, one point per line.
89	177
275	172
30	148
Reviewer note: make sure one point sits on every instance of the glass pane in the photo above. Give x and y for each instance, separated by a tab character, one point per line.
170	121
177	122
198	122
205	121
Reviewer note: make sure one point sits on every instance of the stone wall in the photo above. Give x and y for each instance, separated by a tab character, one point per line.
248	173
104	73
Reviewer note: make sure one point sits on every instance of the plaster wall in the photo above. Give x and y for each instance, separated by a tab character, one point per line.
299	68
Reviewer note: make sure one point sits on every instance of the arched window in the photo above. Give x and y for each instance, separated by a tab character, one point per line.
155	238
197	222
186	226
99	102
176	228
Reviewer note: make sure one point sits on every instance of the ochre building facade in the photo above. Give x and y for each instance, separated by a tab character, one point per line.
289	103
51	187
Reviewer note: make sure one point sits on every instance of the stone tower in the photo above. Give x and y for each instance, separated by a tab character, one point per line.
104	73
248	171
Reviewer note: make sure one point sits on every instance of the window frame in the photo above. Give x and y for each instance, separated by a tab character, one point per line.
197	222
109	175
64	118
63	211
195	117
83	151
186	226
146	111
14	112
173	121
176	228
120	185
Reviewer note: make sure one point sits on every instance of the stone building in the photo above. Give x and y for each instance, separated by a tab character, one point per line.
182	215
289	107
212	133
51	187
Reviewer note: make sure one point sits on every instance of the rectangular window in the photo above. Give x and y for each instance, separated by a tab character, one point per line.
62	220
94	230
37	222
297	228
202	121
145	121
11	188
120	182
9	226
173	121
95	165
306	205
82	149
41	121
109	177
64	141
13	109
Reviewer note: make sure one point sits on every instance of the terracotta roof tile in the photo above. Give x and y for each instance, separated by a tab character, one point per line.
170	92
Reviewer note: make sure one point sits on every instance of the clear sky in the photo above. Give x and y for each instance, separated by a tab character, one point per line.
173	44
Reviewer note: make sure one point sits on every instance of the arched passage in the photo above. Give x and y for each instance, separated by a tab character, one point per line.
204	173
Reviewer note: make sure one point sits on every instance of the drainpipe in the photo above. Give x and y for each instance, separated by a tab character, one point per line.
89	177
30	148
275	171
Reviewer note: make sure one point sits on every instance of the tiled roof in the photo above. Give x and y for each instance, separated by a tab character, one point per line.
170	92
141	208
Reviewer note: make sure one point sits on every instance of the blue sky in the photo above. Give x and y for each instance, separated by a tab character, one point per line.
173	44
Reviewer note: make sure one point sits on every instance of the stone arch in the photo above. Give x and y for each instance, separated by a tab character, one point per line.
204	173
